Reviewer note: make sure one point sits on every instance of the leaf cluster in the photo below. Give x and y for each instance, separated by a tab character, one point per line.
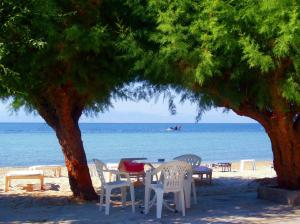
227	50
45	45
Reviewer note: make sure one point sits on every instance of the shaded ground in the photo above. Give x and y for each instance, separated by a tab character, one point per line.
228	200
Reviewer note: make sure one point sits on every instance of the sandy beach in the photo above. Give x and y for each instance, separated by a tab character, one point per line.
231	198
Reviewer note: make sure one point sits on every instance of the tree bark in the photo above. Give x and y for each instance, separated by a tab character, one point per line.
285	140
281	120
63	114
69	137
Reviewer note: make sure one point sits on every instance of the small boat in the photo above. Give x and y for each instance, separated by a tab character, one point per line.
176	128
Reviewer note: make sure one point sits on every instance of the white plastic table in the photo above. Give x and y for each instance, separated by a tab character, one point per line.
201	171
55	168
243	161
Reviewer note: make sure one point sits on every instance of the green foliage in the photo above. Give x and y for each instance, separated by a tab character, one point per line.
291	90
254	57
45	45
232	51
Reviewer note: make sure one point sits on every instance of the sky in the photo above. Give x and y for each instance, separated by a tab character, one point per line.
138	112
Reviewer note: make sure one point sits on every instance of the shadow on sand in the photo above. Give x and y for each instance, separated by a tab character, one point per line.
227	200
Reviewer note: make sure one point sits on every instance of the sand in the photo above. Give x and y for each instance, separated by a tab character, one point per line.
231	198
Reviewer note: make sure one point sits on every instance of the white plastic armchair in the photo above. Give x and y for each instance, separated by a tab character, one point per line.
194	161
106	187
172	175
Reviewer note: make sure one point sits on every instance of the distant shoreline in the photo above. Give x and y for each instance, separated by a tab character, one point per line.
233	163
154	161
24	122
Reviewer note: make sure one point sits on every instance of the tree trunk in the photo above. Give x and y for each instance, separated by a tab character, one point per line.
283	130
69	137
63	115
285	141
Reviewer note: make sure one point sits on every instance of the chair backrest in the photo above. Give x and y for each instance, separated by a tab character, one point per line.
100	168
192	159
172	174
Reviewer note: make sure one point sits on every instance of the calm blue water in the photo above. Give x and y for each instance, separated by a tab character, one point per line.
35	143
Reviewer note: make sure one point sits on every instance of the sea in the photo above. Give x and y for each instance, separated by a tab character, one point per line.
27	144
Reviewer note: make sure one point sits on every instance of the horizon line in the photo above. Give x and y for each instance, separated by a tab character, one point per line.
43	122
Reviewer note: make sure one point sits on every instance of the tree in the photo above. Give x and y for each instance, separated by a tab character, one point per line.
61	59
243	55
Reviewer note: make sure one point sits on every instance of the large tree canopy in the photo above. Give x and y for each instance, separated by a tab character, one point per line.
62	43
240	54
61	58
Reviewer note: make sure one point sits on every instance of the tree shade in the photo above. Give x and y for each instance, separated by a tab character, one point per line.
243	55
62	58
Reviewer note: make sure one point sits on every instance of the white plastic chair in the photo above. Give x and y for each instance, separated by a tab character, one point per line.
189	183
108	186
194	161
172	175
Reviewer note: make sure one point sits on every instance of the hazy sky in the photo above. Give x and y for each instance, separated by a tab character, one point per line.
144	112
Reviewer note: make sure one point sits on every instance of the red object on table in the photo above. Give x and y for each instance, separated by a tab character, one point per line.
133	166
